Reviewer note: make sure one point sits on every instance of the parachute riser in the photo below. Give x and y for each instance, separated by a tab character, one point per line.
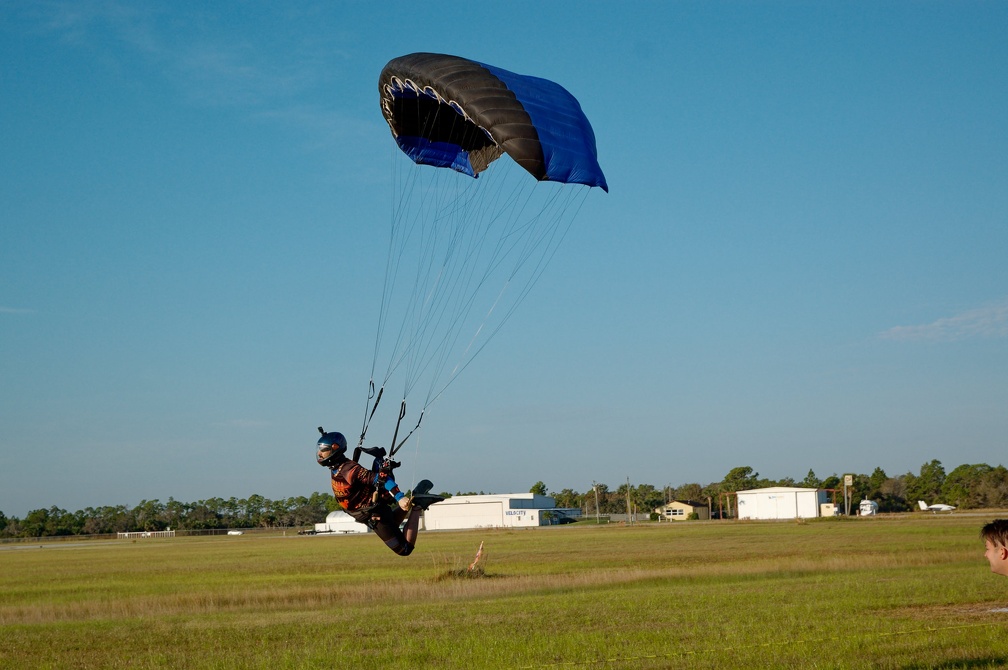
395	435
374	408
396	446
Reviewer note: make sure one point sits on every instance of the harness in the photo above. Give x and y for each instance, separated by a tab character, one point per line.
381	469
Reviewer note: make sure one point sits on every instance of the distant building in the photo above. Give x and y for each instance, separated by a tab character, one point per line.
340	522
510	510
780	502
680	510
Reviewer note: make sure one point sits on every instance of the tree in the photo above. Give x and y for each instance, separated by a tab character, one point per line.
832	482
149	515
12	528
740	479
711	491
174	512
234	513
811	481
255	511
992	489
568	498
958	486
202	515
875	481
624	502
892	495
928	485
647	497
692	492
539	489
47	523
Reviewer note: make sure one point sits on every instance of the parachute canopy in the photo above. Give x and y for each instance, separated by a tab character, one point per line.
452	112
463	253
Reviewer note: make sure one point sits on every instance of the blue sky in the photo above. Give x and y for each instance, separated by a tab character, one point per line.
800	263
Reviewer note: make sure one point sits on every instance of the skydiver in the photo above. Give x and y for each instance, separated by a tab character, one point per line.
372	497
995	537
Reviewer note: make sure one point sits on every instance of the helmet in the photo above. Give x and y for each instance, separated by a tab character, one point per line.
331	448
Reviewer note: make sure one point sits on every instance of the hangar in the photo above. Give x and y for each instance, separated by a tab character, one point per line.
780	502
508	510
340	522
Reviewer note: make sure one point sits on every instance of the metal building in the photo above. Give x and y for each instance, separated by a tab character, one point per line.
340	522
780	502
510	510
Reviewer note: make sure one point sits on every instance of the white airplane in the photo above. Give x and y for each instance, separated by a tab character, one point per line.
934	509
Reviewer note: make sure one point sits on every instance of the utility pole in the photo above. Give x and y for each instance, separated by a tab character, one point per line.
628	499
595	488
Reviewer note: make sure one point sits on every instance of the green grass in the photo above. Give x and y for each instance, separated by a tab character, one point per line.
909	591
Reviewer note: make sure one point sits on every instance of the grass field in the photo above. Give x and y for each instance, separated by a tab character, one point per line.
908	591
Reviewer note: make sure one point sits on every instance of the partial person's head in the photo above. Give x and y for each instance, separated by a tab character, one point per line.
995	537
331	449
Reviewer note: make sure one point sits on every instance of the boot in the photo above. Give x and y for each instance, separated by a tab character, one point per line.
425	500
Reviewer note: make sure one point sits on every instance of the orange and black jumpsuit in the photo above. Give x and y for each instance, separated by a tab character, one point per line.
354	487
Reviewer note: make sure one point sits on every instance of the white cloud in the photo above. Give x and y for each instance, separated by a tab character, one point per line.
987	322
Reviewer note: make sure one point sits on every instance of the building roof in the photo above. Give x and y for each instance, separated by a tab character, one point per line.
339	516
780	489
525	500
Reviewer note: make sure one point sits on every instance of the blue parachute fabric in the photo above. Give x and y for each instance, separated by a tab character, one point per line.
438	154
566	136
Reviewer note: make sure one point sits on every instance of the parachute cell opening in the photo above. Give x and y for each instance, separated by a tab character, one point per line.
437	132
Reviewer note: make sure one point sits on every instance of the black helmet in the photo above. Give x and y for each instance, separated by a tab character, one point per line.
332	448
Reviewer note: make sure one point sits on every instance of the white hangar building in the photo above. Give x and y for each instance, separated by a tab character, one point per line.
340	522
510	510
780	502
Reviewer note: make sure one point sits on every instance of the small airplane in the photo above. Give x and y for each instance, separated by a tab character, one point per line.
934	509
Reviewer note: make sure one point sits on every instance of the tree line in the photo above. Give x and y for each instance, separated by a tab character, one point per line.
255	511
966	487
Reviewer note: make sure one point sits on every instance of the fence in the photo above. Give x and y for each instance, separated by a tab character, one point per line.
145	533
